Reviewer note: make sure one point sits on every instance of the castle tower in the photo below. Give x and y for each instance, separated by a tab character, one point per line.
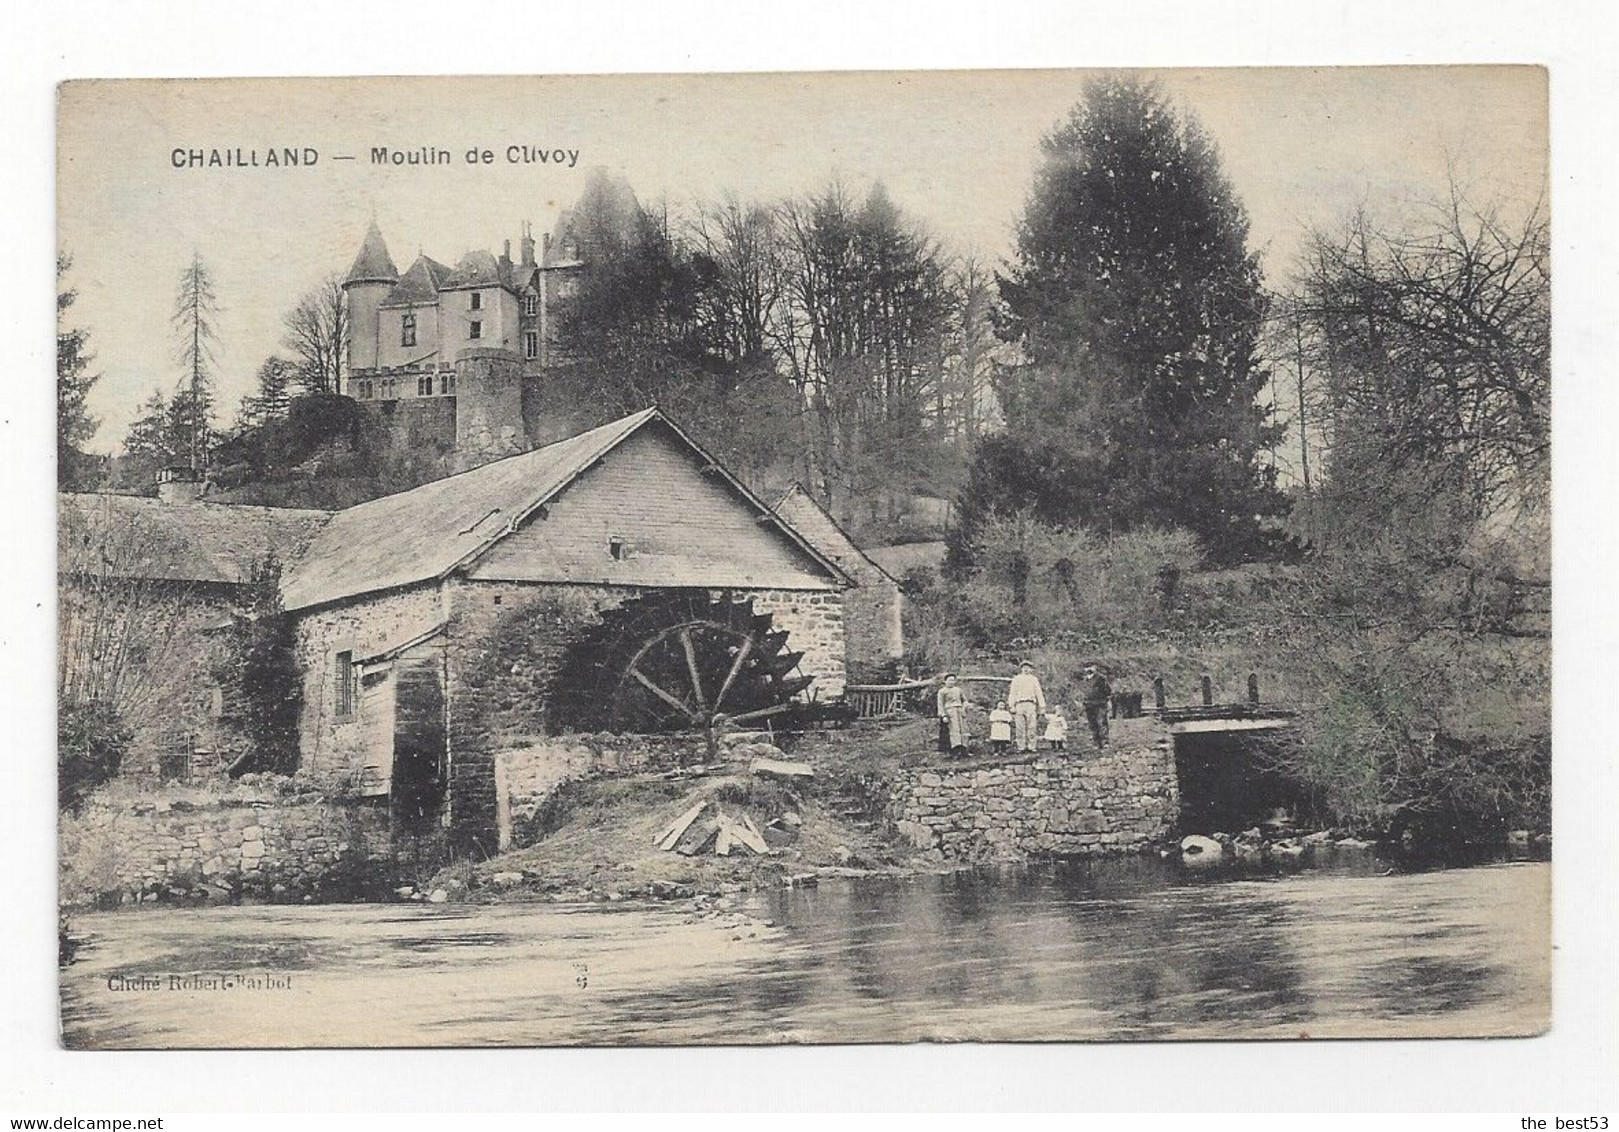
364	287
488	406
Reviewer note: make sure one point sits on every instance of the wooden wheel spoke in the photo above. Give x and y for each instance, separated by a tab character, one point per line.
691	666
673	701
759	714
736	668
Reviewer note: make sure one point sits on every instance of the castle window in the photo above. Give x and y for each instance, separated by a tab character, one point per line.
344	675
424	385
477	300
365	390
475	330
531	305
531	343
446	383
407	329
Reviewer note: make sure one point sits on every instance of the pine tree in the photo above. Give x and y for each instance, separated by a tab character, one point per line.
1137	307
74	424
195	310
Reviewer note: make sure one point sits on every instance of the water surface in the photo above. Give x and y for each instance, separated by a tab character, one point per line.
1120	949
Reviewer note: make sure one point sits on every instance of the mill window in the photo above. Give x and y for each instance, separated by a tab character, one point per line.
616	549
344	676
475	330
407	330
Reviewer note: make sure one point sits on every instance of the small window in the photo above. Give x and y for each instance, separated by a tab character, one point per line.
616	549
448	383
531	305
407	329
475	330
175	764
531	343
477	300
345	685
365	389
424	385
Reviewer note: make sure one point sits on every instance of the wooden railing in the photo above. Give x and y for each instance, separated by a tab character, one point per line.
877	701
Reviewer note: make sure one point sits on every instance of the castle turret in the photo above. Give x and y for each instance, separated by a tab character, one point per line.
488	406
365	287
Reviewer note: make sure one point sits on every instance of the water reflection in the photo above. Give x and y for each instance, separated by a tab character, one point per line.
1130	948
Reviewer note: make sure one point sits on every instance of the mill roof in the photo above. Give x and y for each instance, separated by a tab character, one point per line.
813	521
373	264
423	534
133	536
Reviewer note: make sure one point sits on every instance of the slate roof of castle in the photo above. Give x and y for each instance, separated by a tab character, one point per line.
420	284
142	537
373	264
480	268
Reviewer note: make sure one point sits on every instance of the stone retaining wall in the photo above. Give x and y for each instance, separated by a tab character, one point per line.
188	845
1046	804
526	776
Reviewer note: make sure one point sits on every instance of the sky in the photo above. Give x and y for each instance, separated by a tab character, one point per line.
957	150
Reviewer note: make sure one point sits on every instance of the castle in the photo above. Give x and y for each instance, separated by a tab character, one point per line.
468	342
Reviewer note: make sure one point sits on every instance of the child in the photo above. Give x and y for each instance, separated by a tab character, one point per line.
1000	728
1056	730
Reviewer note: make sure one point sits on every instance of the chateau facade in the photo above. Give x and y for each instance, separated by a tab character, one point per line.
472	336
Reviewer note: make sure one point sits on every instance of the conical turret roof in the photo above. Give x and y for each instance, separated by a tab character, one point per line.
373	264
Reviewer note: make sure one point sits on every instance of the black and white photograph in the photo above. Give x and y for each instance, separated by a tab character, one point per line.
1010	556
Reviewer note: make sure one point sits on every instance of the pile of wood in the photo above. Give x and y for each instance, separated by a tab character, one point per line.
721	834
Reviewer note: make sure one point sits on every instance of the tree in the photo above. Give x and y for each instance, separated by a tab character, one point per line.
74	380
1137	309
195	311
317	335
275	379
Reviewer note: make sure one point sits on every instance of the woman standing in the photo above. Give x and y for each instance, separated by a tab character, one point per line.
952	715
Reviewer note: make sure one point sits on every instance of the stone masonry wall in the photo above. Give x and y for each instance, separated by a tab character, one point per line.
527	776
504	642
1046	804
174	843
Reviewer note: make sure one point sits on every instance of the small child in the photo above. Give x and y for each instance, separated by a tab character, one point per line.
1056	730
1000	728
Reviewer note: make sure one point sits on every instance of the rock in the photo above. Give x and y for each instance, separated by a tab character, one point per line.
505	880
920	836
1319	838
1197	846
437	896
1352	843
780	768
405	891
1518	838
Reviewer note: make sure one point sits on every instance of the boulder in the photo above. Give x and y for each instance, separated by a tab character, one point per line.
1200	850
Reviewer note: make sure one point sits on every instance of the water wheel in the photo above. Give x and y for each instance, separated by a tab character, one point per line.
677	662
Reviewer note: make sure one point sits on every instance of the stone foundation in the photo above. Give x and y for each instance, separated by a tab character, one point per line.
1080	801
178	844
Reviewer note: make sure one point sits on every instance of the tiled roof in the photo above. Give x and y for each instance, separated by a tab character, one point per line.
373	264
811	520
420	284
141	537
421	534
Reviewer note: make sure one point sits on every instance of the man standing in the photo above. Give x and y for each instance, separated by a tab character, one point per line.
1096	692
1028	703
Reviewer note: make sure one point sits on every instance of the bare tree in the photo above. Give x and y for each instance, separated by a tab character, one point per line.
317	335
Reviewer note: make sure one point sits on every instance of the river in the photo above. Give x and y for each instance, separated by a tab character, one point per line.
1129	948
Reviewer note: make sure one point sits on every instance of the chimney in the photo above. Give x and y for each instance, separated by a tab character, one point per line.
179	484
526	244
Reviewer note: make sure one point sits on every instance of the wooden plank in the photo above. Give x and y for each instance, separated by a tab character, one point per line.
782	769
677	828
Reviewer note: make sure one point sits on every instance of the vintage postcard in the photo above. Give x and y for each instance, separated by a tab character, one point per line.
804	558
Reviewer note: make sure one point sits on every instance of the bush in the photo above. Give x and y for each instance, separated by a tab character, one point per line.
91	741
1032	580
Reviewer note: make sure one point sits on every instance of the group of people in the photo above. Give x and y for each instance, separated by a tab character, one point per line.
1023	718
